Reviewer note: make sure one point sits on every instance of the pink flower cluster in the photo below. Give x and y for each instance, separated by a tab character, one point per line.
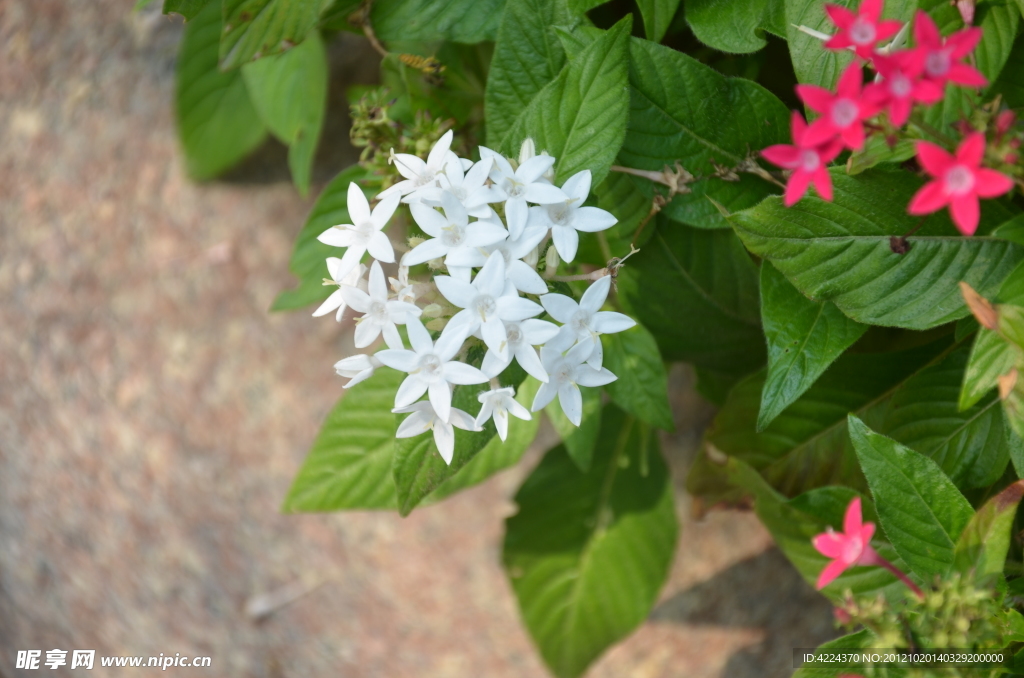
905	77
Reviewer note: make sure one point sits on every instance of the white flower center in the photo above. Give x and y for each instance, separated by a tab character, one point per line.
810	160
426	178
845	113
378	312
430	368
560	214
959	180
900	85
362	232
580	322
485	306
564	374
453	236
513	188
515	333
938	62
862	32
459	192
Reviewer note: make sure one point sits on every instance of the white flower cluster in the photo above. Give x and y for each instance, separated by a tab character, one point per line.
491	272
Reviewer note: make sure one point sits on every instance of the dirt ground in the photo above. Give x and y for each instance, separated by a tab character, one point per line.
153	414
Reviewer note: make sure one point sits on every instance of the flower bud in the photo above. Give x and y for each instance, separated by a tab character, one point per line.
1004	121
962	624
527	150
415	241
437	324
551	260
550	174
433	311
436	264
532	258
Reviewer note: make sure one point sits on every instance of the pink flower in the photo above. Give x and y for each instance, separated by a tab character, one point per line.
902	85
809	163
942	57
959	181
848	548
862	30
852	547
842	113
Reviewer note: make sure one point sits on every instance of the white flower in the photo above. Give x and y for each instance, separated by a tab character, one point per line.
522	337
419	174
379	314
584	322
357	368
521	186
430	367
336	300
498	403
523	276
567	374
568	217
403	289
423	419
467	187
450	232
364	233
485	304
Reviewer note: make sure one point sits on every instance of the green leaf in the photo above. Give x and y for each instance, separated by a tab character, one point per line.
696	291
804	337
990	358
583	6
1010	83
527	56
841	252
736	26
657	15
620	195
1016	446
580	117
861	640
811	61
642	385
497	455
290	93
466	21
418	467
186	8
217	123
259	28
982	547
309	258
588	553
349	465
919	508
876	151
579	441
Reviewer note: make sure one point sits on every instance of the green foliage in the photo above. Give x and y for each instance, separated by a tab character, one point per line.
982	547
187	8
642	385
736	26
842	252
804	338
309	255
579	441
465	21
217	123
290	93
588	553
580	116
527	56
921	511
657	15
259	28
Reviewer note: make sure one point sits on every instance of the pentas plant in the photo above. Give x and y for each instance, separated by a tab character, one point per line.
904	79
483	233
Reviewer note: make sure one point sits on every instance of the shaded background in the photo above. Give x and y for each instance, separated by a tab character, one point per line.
153	414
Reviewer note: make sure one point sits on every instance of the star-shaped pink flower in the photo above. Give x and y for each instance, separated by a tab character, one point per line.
862	30
943	57
902	84
959	181
808	162
842	114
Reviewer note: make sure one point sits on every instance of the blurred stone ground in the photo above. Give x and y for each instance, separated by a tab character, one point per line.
152	415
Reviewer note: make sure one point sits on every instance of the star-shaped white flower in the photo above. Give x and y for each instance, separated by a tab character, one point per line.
430	367
498	403
336	300
418	174
486	305
423	419
585	321
379	314
523	276
364	233
567	373
522	337
521	186
570	216
468	188
450	232
357	368
403	289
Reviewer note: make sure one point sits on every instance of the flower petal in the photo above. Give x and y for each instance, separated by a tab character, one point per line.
934	159
545	394
566	240
358	207
930	198
534	168
783	155
990	183
971	150
411	390
444	438
589	376
829	544
424	252
559	306
593	219
796	187
440	394
398	359
459	293
544	194
571	400
609	322
577	187
965	212
419	338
